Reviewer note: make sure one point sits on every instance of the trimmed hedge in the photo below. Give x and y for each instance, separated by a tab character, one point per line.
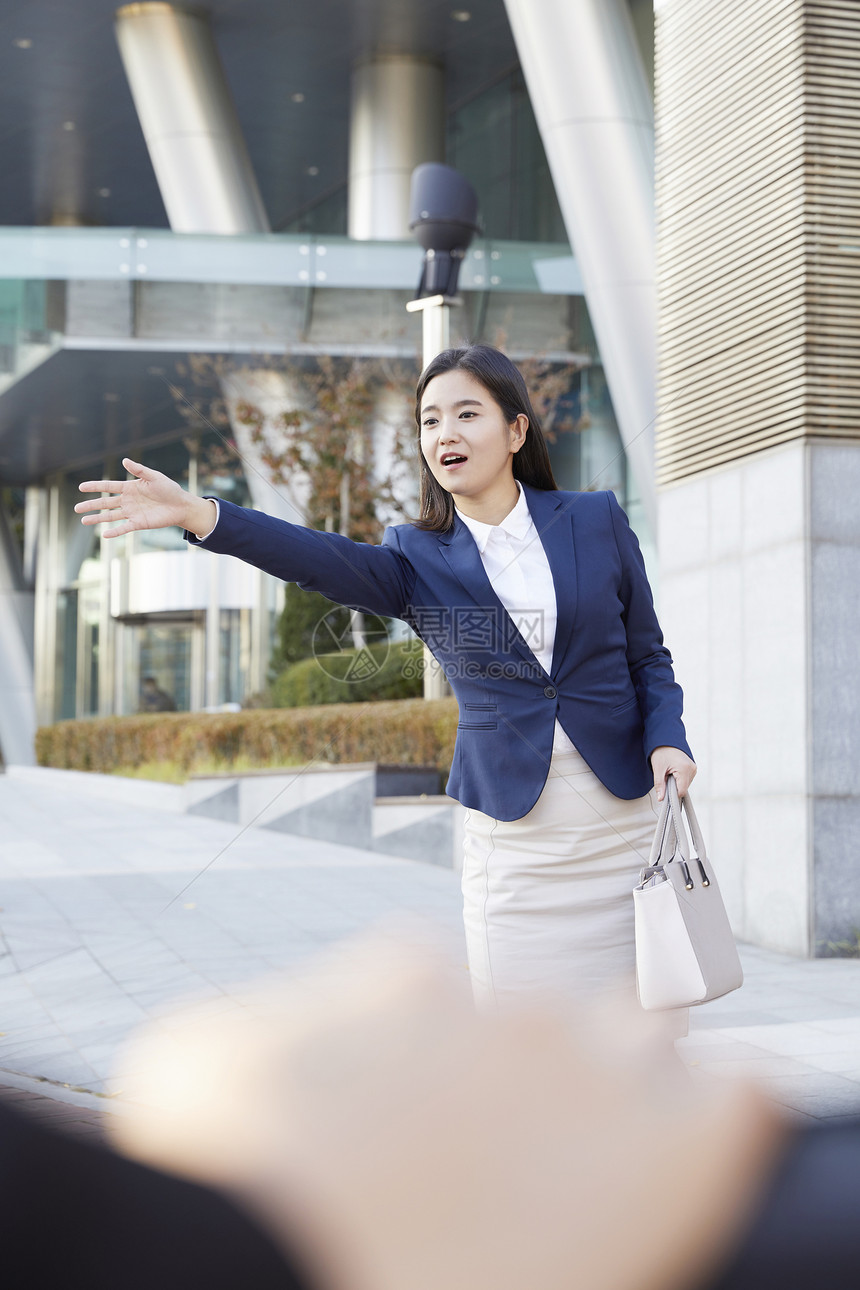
409	732
384	671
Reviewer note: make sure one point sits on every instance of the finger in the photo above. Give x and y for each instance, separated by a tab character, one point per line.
137	468
659	776
98	503
104	517
127	527
102	486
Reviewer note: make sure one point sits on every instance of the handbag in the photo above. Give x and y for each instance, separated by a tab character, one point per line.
685	949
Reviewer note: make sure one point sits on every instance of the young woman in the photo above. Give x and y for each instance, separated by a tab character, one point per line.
536	603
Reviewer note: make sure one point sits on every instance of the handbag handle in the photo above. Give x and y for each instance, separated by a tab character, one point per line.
677	806
662	835
670	828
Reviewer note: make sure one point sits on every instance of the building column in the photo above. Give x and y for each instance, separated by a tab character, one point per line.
17	688
189	122
397	122
758	447
63	545
593	106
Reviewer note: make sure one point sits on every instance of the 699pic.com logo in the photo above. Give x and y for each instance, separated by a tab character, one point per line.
348	648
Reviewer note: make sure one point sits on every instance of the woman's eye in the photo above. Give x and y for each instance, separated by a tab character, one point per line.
468	413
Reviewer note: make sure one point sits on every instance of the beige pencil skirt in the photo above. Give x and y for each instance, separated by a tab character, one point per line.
548	901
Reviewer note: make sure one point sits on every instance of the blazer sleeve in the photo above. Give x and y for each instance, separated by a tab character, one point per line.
80	1217
804	1231
378	579
661	699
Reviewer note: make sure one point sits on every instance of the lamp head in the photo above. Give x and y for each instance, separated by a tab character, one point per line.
443	217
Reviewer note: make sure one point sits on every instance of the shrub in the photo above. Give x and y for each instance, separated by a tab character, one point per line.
298	622
848	948
409	732
378	672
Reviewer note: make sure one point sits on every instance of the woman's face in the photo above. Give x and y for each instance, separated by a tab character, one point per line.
461	421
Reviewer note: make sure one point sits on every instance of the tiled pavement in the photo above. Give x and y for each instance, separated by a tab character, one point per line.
112	911
794	1026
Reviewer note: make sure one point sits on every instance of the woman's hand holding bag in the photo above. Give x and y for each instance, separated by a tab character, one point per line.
666	761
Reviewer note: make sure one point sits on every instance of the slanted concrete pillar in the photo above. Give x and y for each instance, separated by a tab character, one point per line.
17	694
189	121
270	394
593	106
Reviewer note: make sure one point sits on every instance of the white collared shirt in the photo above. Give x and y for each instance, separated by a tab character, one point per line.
519	573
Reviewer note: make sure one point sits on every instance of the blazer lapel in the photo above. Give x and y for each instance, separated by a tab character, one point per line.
553	515
464	560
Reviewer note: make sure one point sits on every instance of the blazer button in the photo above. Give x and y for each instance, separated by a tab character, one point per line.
550	691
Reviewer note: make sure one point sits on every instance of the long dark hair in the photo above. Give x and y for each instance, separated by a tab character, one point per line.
501	379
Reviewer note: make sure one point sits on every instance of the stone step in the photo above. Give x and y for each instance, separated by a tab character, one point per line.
427	828
330	803
333	803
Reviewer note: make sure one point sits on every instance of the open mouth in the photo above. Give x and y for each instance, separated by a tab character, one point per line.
452	459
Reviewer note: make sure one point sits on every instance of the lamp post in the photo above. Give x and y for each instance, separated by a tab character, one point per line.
436	335
435	323
443	215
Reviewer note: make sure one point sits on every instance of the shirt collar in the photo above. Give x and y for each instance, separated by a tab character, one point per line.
516	522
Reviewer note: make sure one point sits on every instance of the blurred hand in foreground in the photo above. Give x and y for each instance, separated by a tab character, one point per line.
149	500
396	1140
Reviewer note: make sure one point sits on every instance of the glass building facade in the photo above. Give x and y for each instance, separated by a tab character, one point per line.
121	620
104	329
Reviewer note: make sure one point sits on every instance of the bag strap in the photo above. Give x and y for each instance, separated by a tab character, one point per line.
695	831
670	836
681	839
679	809
660	847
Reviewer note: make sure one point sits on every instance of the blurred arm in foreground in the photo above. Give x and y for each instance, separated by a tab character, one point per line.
383	1137
395	1140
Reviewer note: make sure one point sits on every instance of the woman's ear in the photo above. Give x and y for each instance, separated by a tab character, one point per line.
518	431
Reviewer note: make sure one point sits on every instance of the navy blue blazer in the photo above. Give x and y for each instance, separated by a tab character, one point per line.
610	685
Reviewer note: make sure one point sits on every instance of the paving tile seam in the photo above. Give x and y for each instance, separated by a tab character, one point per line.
59	1091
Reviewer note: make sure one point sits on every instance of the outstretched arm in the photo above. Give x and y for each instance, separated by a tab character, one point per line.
357	574
149	500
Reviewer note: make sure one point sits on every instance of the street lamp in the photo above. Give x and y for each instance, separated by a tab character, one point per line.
443	216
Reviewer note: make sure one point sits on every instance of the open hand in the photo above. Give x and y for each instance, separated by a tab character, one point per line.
148	501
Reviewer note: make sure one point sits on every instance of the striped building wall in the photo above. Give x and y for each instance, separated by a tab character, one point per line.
758	198
758	445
